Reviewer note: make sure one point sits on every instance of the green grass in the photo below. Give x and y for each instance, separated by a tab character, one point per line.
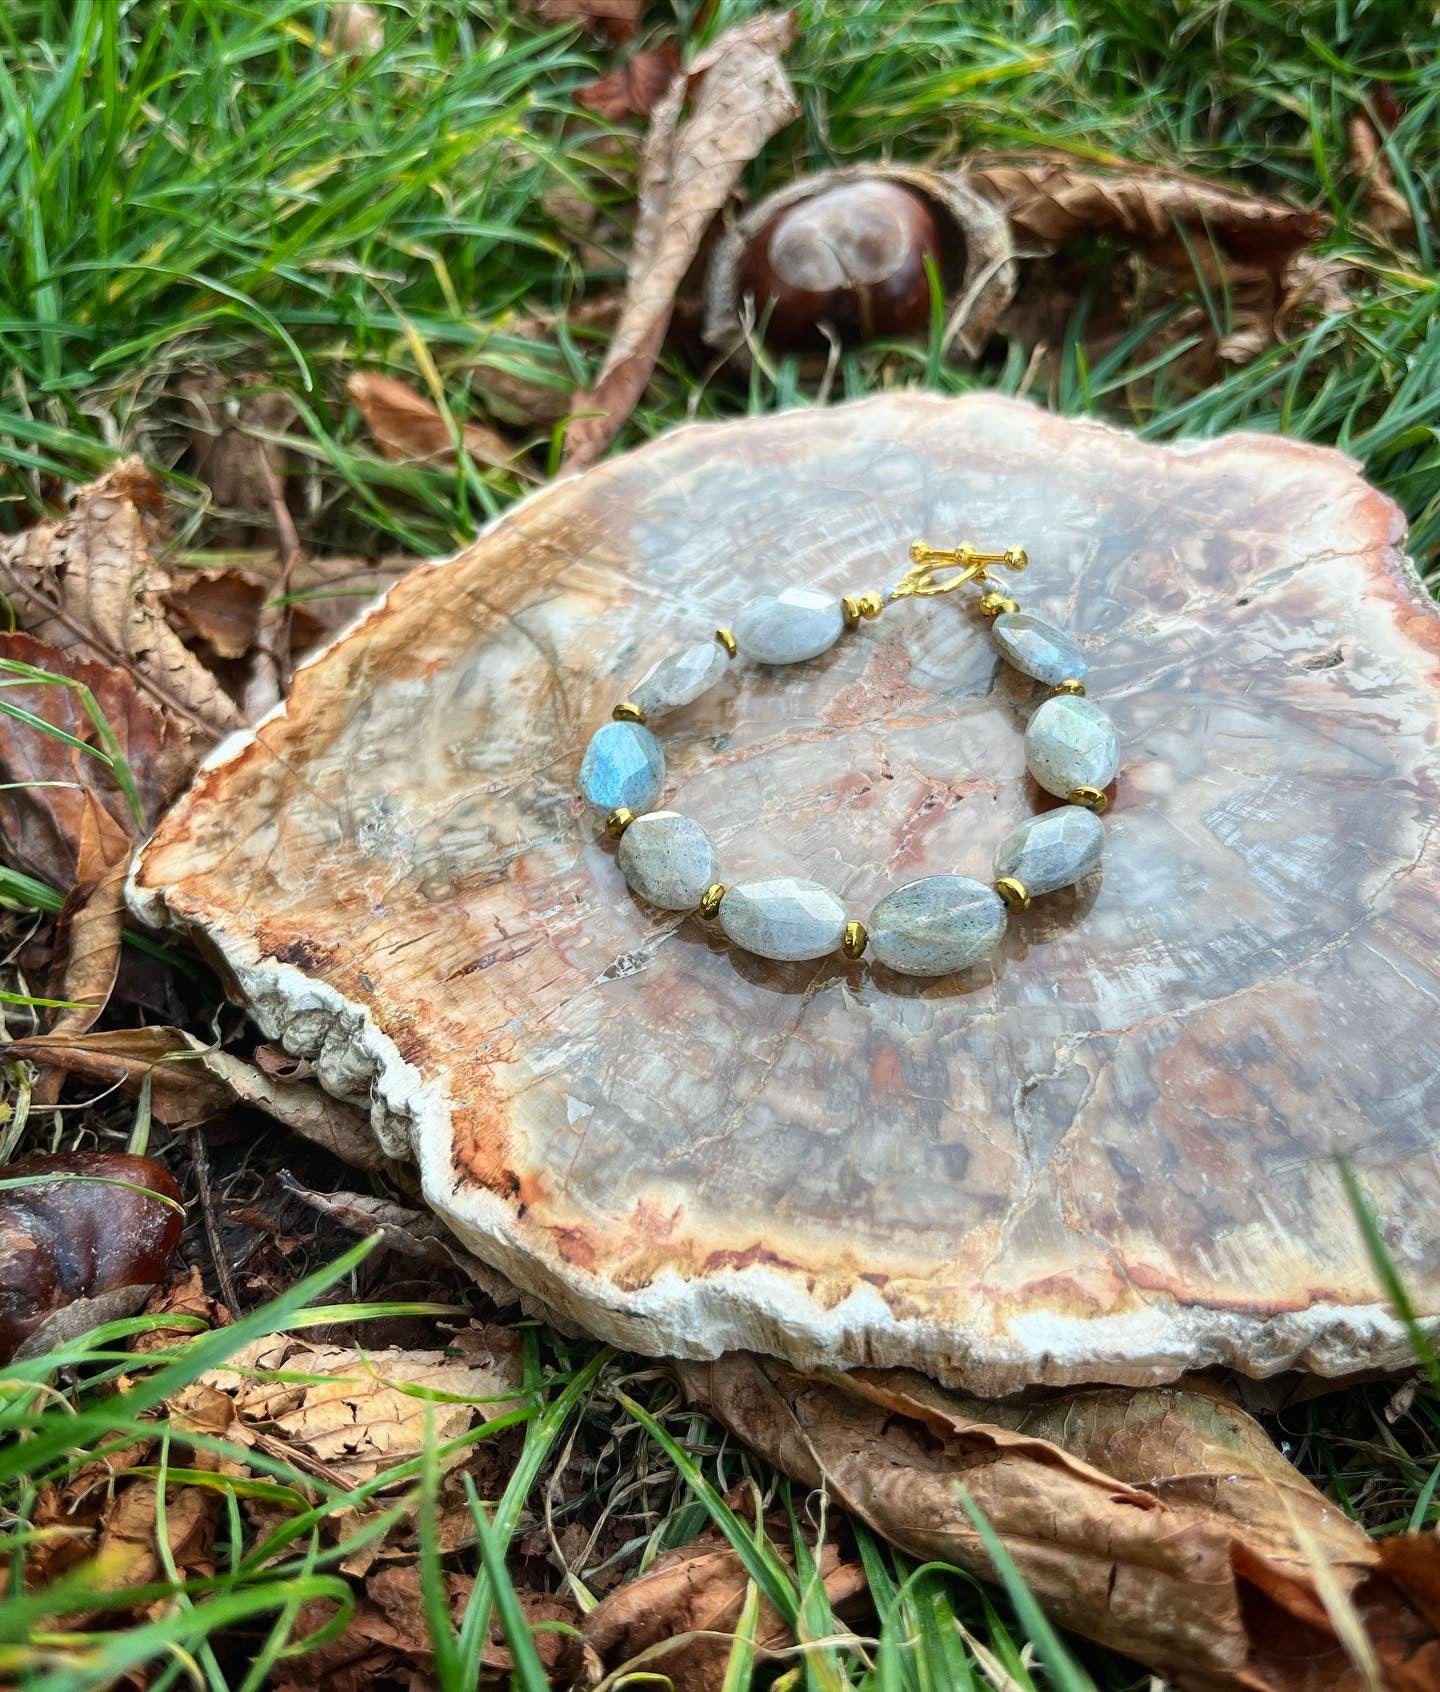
200	186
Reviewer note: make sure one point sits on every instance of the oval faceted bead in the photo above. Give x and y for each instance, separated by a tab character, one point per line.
783	918
936	925
1052	850
680	678
623	765
1071	743
788	627
1037	648
669	860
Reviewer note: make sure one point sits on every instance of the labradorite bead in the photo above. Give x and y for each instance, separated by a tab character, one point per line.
1071	743
668	859
680	678
788	627
1037	648
936	925
1052	850
623	765
783	918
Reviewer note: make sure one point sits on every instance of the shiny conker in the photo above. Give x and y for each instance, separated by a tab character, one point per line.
852	257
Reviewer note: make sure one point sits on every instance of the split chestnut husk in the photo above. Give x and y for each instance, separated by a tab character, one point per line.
848	255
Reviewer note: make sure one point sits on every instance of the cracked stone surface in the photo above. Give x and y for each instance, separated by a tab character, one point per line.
1107	1154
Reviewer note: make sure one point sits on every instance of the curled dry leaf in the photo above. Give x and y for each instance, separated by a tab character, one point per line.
43	824
234	425
418	1234
408	429
92	920
1172	218
355	28
634	88
524	399
682	1613
91	584
740	96
83	1239
1162	1523
1386	207
617	19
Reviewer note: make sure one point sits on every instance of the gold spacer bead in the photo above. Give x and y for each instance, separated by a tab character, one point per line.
850	605
1016	558
992	604
1072	685
871	605
1092	798
618	821
710	899
858	605
727	640
1014	893
853	942
627	711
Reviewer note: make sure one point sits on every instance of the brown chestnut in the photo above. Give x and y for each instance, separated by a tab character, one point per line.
853	257
81	1231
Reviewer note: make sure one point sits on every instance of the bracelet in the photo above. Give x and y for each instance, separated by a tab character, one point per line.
929	927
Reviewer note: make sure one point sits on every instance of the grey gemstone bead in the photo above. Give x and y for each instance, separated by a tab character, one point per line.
783	918
788	627
1071	743
936	925
1037	648
680	678
623	765
1052	850
668	859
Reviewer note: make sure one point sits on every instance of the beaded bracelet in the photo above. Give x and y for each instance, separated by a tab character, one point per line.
933	926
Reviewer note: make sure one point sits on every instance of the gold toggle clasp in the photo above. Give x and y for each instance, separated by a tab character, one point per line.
970	565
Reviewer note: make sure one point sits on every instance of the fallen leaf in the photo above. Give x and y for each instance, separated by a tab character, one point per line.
1171	218
533	340
371	1410
236	425
43	824
220	608
91	584
91	922
408	429
617	19
634	88
418	1234
682	1613
83	1239
740	96
1386	207
355	28
1161	1522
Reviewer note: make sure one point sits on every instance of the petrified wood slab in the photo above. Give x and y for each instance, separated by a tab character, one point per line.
1113	1156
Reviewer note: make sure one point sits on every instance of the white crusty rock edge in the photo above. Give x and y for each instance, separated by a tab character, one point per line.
755	1308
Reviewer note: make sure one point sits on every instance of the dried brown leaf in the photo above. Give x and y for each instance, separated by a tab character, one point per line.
634	88
220	608
1173	219
408	429
692	1592
91	922
527	401
418	1234
91	584
355	28
740	96
617	19
232	424
1161	1523
43	825
1386	206
365	1416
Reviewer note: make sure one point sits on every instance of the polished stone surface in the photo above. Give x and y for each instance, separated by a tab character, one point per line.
783	918
681	678
1052	850
936	925
1037	648
1071	743
623	765
790	626
1109	1152
668	859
